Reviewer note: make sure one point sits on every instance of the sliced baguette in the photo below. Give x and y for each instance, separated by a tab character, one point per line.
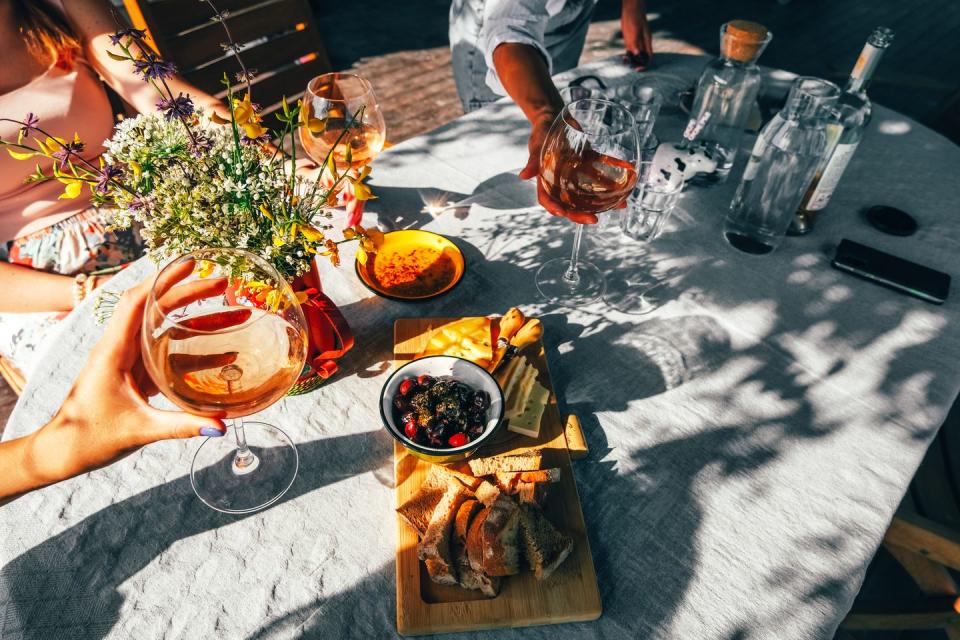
527	461
493	539
509	481
545	548
467	576
434	547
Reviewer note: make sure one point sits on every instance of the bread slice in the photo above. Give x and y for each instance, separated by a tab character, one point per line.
509	481
493	539
544	547
487	493
462	473
418	510
467	576
527	461
532	492
434	547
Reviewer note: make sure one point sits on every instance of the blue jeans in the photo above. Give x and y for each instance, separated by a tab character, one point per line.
564	38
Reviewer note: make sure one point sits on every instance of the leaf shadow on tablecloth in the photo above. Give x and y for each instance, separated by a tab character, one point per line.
716	409
68	586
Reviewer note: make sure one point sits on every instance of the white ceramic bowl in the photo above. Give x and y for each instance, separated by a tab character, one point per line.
448	367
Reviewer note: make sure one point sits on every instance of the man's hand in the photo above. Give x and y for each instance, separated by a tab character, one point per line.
538	133
637	39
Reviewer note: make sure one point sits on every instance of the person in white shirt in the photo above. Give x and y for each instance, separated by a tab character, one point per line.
512	47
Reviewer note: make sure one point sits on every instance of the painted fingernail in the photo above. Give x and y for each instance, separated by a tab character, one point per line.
211	432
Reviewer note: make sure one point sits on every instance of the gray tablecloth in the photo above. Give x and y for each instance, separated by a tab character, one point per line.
749	441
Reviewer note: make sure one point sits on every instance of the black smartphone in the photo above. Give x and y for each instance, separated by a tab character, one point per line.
893	272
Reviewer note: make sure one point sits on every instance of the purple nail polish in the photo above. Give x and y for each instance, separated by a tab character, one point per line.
210	431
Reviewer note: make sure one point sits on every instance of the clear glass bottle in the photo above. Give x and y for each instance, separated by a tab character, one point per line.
781	165
726	93
844	132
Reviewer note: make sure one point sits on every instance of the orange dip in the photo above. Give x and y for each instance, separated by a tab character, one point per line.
411	271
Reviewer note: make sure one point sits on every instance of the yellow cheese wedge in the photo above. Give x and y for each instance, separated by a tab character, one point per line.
521	393
528	423
468	338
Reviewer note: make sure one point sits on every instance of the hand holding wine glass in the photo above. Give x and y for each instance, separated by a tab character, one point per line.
106	416
223	335
588	165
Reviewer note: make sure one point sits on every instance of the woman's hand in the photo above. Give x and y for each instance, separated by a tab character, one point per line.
106	415
637	39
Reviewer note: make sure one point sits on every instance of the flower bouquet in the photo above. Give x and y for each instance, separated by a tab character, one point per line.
189	179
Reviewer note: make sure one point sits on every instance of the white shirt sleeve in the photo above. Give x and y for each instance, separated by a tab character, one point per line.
520	21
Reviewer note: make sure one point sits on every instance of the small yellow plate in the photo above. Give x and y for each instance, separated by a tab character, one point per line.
413	264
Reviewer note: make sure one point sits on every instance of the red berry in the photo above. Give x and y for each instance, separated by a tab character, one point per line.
423	379
457	440
410	428
406	386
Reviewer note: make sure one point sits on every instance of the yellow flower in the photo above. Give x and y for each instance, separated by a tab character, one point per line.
376	237
72	190
311	233
361	256
266	212
205	268
20	155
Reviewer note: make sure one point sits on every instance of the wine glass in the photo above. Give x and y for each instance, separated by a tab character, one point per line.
588	164
224	336
647	211
333	99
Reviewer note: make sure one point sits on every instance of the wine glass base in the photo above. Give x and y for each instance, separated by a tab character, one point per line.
555	288
633	298
254	487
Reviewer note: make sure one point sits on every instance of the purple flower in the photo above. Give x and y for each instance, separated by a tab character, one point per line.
246	76
139	203
264	139
199	145
64	152
29	124
179	107
136	34
107	173
154	68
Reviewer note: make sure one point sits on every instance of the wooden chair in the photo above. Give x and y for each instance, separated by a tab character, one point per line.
280	42
12	376
924	538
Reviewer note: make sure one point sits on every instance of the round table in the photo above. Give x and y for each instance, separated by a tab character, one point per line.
749	440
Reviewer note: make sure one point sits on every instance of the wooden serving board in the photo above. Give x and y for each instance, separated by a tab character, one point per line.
569	595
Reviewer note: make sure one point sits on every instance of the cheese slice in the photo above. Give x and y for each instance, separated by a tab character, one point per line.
521	393
468	338
528	423
511	375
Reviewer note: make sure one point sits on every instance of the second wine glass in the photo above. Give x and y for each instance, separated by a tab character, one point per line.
330	102
588	165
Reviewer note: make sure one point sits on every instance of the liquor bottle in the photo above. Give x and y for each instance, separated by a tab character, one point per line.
725	96
782	162
844	132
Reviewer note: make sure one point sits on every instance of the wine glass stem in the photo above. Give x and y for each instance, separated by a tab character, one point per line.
572	275
243	458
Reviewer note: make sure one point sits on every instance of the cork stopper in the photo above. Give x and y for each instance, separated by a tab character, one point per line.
743	40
